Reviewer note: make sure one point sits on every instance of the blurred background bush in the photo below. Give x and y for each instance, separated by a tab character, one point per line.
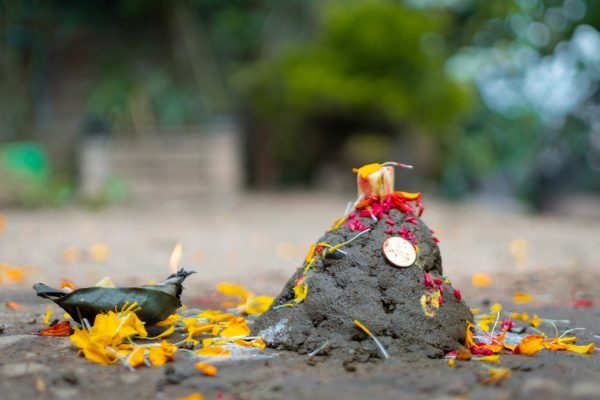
104	100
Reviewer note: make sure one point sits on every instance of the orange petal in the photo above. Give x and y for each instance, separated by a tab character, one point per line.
60	329
522	298
496	375
13	306
206	369
481	280
530	345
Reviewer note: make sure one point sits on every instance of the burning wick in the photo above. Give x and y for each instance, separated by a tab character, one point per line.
175	258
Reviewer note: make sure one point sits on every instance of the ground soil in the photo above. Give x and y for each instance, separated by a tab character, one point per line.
260	246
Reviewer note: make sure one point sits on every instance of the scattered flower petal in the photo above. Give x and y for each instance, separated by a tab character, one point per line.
522	298
481	280
206	369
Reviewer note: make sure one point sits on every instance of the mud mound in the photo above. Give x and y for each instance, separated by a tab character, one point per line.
413	309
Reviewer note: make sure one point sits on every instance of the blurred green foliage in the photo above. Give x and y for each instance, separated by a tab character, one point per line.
369	66
474	84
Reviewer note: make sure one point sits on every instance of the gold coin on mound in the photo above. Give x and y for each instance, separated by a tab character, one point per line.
399	252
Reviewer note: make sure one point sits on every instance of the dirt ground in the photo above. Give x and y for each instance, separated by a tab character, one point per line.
258	241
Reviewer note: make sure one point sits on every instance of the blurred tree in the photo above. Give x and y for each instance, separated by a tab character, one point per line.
536	65
372	66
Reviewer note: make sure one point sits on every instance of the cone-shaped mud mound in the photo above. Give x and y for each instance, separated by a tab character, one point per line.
411	309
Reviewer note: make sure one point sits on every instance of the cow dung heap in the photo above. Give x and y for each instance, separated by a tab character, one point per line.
346	277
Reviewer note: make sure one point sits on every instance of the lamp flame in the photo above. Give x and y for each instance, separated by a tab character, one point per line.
175	258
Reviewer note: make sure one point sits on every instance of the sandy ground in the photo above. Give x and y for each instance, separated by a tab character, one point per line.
258	241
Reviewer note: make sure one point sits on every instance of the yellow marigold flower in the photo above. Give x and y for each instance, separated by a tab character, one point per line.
107	333
94	350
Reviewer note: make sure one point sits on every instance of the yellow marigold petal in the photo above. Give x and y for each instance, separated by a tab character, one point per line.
368	169
206	369
230	289
587	349
535	321
204	328
568	339
530	345
213	352
311	253
496	375
136	357
475	311
258	343
193	396
236	330
451	362
171	319
410	196
258	305
300	292
522	298
483	325
167	332
496	308
158	355
520	316
215	316
469	337
495	358
481	280
47	316
99	353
